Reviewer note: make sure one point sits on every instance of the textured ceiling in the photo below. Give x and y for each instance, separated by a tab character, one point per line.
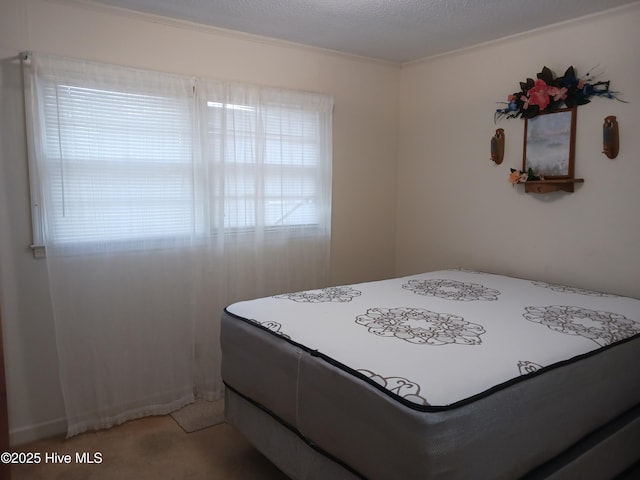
394	30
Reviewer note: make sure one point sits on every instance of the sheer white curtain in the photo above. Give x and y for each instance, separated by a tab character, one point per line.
267	152
164	198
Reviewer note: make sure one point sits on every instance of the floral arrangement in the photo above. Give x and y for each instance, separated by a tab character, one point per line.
518	176
547	94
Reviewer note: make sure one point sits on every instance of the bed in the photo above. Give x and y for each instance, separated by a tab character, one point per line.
453	374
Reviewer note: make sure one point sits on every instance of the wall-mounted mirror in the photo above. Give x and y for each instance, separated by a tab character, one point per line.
549	144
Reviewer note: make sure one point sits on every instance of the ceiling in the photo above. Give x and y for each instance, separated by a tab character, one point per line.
398	31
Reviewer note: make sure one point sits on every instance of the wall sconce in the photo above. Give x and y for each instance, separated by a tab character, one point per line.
610	137
497	146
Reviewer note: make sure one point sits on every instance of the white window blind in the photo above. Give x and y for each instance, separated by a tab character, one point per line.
119	164
130	155
272	155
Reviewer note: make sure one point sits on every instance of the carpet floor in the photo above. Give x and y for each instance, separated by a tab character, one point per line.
157	448
149	448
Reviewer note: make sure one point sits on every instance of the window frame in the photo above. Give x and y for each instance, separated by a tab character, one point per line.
201	224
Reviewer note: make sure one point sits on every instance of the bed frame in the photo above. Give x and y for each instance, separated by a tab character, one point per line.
604	454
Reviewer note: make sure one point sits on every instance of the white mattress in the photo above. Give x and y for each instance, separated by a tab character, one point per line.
480	330
449	374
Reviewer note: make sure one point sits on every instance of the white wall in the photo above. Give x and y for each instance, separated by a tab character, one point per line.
35	399
365	121
456	208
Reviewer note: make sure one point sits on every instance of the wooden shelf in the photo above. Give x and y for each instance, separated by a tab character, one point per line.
547	186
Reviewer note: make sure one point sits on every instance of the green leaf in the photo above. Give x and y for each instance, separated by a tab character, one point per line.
554	105
546	75
531	112
570	73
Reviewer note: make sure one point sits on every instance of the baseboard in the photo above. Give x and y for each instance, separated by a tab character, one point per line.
31	433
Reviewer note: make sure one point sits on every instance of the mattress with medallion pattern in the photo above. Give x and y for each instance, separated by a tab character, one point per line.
452	374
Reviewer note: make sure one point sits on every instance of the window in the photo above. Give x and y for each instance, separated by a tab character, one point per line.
121	154
118	164
271	177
